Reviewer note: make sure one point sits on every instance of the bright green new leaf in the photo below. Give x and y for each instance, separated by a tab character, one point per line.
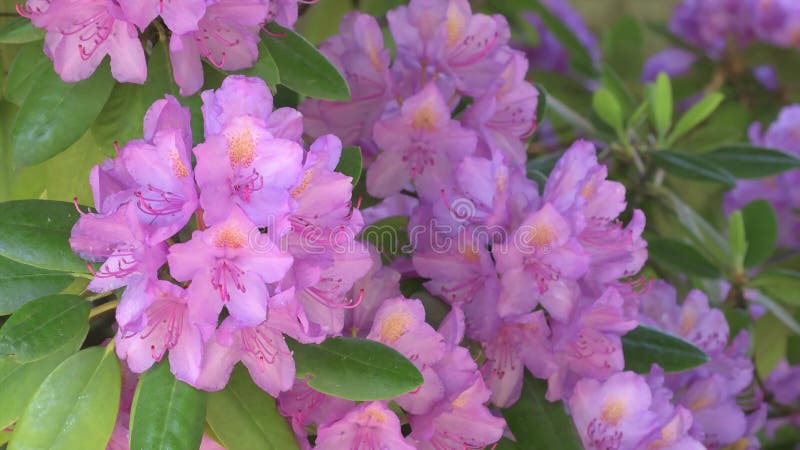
644	346
20	31
692	167
350	163
58	115
538	423
36	232
40	327
761	227
661	103
355	369
303	68
166	413
745	161
737	241
76	406
21	283
694	116
608	108
244	417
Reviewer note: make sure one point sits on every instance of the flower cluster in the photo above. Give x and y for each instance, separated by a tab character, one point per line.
536	276
782	191
271	225
721	27
80	33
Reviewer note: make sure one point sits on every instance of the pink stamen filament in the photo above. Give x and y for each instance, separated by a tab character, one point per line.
164	202
465	47
245	187
219	279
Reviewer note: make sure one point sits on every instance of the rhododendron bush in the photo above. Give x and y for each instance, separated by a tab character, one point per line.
433	224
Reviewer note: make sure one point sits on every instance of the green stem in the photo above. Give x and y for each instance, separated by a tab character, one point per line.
97	310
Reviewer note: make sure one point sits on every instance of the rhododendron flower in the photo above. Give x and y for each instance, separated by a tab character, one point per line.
180	16
370	425
421	144
228	264
227	36
80	33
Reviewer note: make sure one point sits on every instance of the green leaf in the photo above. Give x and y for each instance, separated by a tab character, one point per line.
18	381
580	59
303	68
538	423
20	31
76	406
745	161
350	163
389	236
623	48
244	417
121	119
692	167
608	108
543	163
571	116
781	284
265	68
761	227
541	102
793	350
778	310
40	327
355	369
737	241
680	257
661	102
644	346
30	60
694	116
21	283
36	232
166	413
57	116
706	238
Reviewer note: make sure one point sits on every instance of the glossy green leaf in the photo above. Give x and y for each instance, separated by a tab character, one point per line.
781	284
20	31
661	104
36	232
166	413
644	346
745	161
680	257
58	115
538	423
694	116
121	119
21	283
355	369
30	60
761	228
244	417
76	406
350	163
692	167
19	381
389	236
41	326
265	68
608	108
303	68
579	56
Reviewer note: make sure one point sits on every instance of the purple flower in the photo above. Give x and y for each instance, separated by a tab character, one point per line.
778	22
370	425
709	24
421	144
506	116
80	33
245	166
549	54
227	36
228	265
307	407
119	242
359	54
673	61
445	36
180	16
165	327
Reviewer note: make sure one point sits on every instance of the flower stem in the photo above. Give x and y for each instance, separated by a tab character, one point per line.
97	310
